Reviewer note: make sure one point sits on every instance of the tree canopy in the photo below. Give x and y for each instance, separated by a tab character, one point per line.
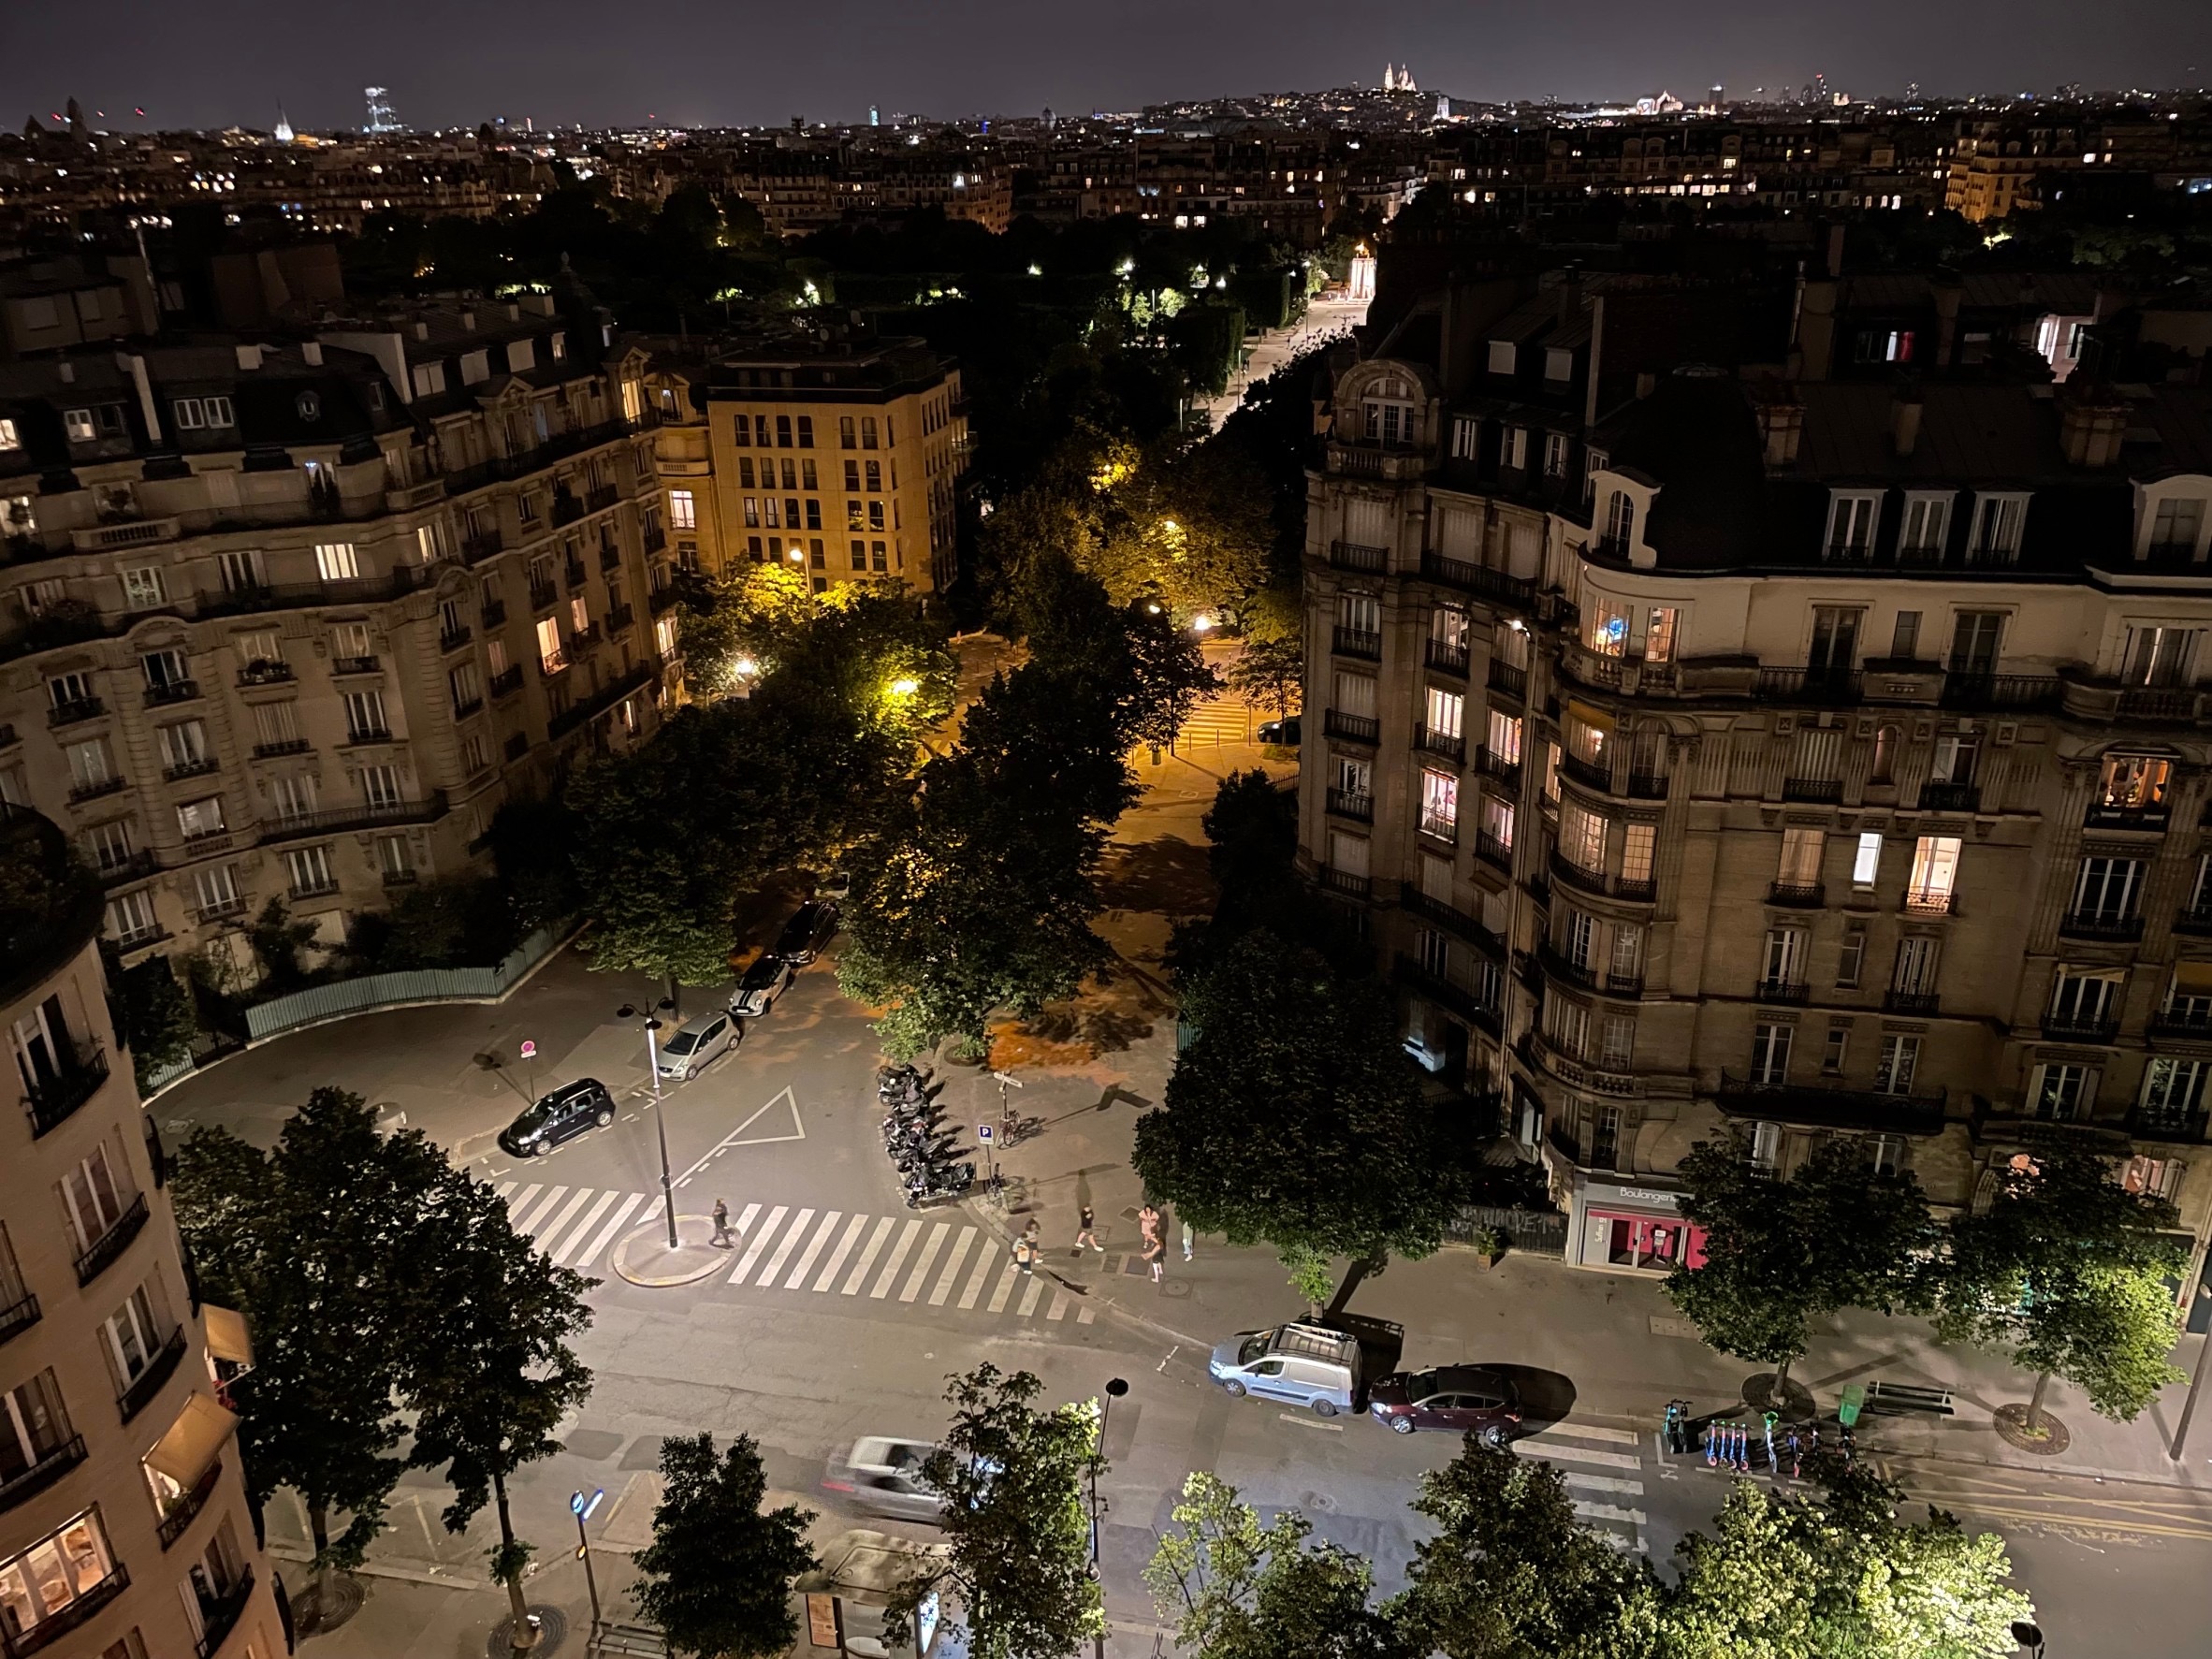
716	1577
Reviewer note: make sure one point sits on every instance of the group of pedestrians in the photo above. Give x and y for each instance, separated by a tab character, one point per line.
1029	1247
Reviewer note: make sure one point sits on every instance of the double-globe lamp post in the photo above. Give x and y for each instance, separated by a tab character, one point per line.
652	1024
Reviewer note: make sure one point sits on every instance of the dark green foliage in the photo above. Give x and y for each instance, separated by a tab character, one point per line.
156	1017
717	1578
1294	1117
534	843
468	921
277	941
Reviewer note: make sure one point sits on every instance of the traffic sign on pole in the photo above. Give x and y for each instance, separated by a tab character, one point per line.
529	1051
982	1133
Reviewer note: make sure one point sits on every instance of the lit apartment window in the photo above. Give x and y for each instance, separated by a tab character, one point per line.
1935	873
1440	803
335	562
1866	859
683	509
44	1584
1446	711
1581	837
1801	851
550	658
2134	782
1505	737
9	437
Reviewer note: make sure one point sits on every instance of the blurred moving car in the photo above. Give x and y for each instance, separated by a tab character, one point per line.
698	1043
1460	1399
562	1116
768	978
884	1476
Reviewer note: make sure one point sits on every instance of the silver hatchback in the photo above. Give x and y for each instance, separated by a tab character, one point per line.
697	1042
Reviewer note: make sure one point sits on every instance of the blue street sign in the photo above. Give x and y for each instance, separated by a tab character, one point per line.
983	1133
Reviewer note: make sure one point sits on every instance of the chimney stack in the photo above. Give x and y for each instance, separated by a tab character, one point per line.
1904	420
1781	423
2091	422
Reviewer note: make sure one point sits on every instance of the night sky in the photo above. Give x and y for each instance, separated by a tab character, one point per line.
209	63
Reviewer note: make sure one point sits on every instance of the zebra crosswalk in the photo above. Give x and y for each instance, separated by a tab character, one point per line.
912	1260
1603	1468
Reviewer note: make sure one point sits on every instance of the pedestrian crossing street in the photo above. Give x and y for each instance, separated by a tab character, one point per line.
1603	1468
807	1252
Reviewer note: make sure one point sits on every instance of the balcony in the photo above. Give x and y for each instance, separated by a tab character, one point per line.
136	532
1589	774
21	1315
1444	656
322	888
52	1101
572	572
1936	904
610	558
1826	1108
50	1466
503	468
101	1253
1824	792
2196	921
584	641
567	509
1344	803
124	871
452	639
72	1615
618	618
147	1383
1922	1004
1560	966
1640	890
358	736
2185	1022
75	709
543	595
1441	826
228	910
94	790
218	1614
2146	1123
486	543
175	691
365	816
601	701
506	681
402	877
1489	848
1343	882
1479	580
2146	820
183	769
1453	998
264	673
1824	687
2078	1027
1448	744
466	706
655	538
1356	642
283	745
263	596
660	599
1787	991
185	1506
493	614
1492	765
1353	728
1950	797
1647	786
2100	925
1504	678
1971	689
1451	917
371	664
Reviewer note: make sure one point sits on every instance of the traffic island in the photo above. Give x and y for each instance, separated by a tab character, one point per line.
643	1256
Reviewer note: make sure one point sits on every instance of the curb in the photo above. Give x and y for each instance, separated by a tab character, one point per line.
719	1261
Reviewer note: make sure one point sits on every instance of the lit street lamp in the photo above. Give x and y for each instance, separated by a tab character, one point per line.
660	1119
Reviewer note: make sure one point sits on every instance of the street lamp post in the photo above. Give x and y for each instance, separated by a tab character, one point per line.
581	1507
660	1120
1116	1388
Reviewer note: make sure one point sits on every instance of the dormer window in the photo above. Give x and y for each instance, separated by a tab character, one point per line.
1593	462
1996	528
1851	524
1502	353
2177	528
1387	409
1928	523
1620	522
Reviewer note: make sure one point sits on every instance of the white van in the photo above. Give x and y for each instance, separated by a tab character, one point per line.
1307	1365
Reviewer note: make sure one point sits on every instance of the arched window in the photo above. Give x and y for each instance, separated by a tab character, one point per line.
1620	520
1885	742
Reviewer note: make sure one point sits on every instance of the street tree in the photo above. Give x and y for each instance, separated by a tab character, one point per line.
317	1243
495	1374
1512	1574
1234	1589
1269	673
1015	1526
1836	1233
716	1577
1294	1115
2064	1271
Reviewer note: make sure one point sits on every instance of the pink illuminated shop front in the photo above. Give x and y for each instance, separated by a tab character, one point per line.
1638	1228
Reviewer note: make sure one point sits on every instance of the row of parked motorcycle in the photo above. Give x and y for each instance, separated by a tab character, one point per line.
922	1147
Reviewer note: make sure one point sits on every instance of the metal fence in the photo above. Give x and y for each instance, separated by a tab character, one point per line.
336	1002
1538	1233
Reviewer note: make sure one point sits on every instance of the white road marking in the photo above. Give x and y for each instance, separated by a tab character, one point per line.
1613	1483
582	1229
945	1280
613	1226
548	1230
935	1243
760	1242
868	1257
743	1220
515	1205
504	1188
906	1235
984	1257
1006	1285
1576	1454
805	1265
1309	1422
1029	1297
1593	1431
528	1223
836	1260
732	1137
1590	1511
1059	1307
790	1242
1085	1317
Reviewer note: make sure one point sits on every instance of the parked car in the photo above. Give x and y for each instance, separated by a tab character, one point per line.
812	925
768	978
1282	732
697	1042
837	885
562	1116
884	1476
1461	1399
1309	1365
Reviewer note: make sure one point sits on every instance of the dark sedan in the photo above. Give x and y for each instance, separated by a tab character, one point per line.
1460	1399
811	926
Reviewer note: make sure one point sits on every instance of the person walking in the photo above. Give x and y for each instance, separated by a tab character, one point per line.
1025	1249
1088	1233
722	1225
1156	1250
1148	1220
1189	1240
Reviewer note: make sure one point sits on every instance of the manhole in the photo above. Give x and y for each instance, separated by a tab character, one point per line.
328	1602
552	1628
1319	1502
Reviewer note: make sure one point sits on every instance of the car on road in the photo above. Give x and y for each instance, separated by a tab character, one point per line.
884	1476
1309	1365
562	1116
768	978
812	925
699	1042
1283	732
1459	1399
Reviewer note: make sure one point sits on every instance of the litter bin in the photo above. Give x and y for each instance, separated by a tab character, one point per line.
1853	1402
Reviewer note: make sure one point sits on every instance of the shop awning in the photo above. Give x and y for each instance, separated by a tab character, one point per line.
2192	976
226	1334
1596	717
193	1442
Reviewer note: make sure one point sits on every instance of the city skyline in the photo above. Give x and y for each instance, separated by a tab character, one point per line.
987	57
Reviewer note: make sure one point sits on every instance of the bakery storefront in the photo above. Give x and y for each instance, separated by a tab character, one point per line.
1618	1229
